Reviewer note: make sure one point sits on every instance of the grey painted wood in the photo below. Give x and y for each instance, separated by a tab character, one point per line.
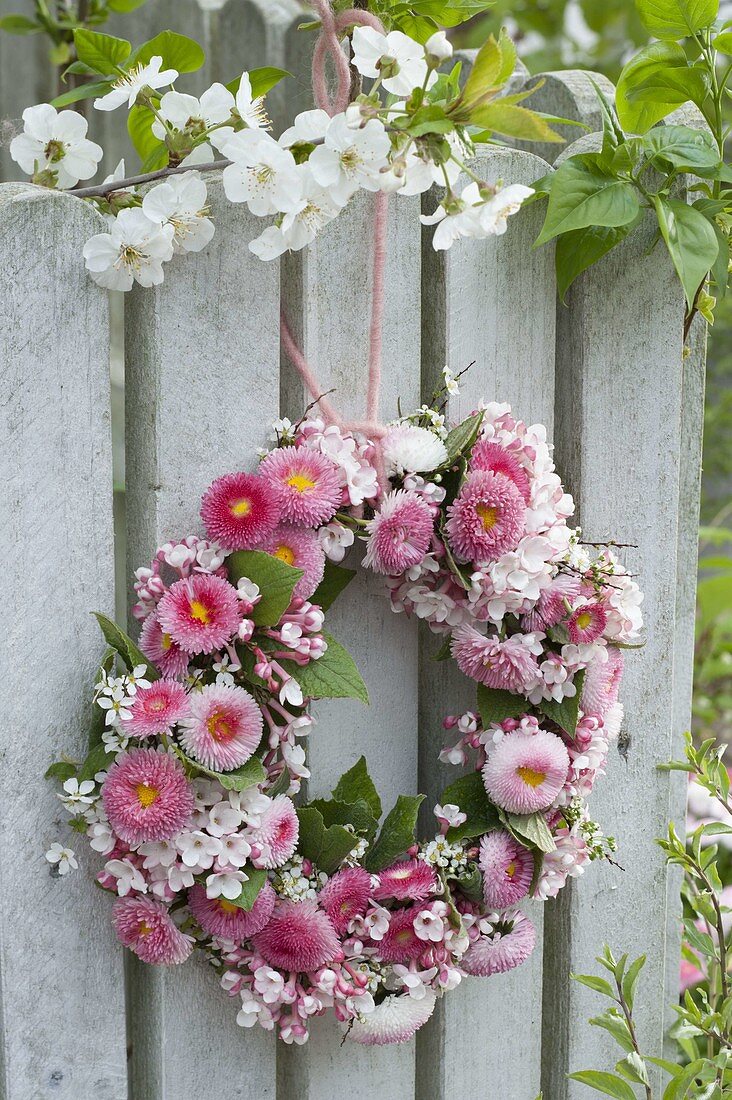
26	77
619	390
202	386
493	302
63	1025
326	294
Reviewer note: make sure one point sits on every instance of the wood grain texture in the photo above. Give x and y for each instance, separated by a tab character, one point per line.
202	387
492	302
25	78
61	989
326	295
618	412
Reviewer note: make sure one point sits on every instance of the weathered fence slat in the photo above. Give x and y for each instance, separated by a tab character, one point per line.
493	302
327	299
619	392
202	385
63	1022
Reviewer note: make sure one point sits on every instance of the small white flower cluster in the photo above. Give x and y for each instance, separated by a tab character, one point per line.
298	880
450	858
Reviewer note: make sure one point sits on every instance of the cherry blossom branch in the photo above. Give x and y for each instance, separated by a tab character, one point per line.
103	189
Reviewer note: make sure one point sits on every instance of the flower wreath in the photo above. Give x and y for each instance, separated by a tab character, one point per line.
195	755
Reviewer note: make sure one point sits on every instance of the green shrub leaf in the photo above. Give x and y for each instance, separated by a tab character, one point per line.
101	52
332	676
356	785
276	581
397	833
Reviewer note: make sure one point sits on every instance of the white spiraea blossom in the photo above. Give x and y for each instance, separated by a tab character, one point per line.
129	86
181	202
63	858
349	159
56	141
134	250
396	58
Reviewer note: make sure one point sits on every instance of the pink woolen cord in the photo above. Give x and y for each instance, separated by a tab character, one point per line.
329	45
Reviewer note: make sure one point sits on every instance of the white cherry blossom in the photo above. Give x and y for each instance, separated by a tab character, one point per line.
63	858
129	86
396	58
56	142
263	175
181	202
349	159
134	250
187	113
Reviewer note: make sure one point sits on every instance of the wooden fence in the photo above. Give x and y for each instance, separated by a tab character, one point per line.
605	373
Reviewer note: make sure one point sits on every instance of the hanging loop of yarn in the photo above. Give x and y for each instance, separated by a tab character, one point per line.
328	45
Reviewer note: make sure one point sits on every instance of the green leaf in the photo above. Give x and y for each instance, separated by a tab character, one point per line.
469	793
496	705
125	5
250	889
357	785
427	120
630	981
397	833
177	51
276	581
494	63
462	437
600	985
248	775
580	197
89	90
723	43
681	147
691	241
532	828
122	644
61	770
139	127
19	24
674	19
98	760
335	580
672	85
515	122
639	116
566	713
633	1068
337	812
327	848
612	1022
332	676
581	248
470	883
606	1083
101	52
312	827
264	80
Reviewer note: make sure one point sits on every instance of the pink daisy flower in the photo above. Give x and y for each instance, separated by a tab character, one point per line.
160	648
507	869
401	943
299	937
219	917
201	613
602	682
495	459
525	772
409	879
308	484
223	728
239	510
509	665
487	518
156	709
553	603
345	896
301	548
502	951
146	927
399	534
277	833
146	796
587	622
395	1020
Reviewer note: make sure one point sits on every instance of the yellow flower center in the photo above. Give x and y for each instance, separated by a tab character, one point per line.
300	483
157	706
530	777
146	795
166	641
285	554
200	612
227	906
487	515
218	726
240	508
511	869
583	620
145	929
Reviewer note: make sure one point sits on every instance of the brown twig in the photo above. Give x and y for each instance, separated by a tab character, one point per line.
103	189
